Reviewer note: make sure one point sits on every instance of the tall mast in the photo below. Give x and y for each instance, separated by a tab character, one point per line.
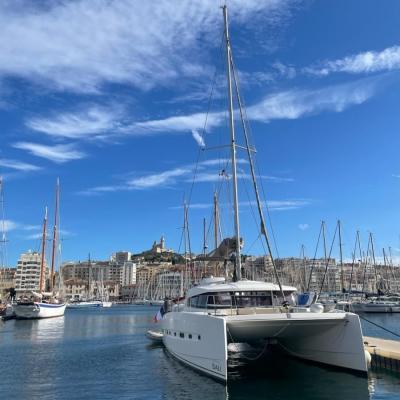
204	245
341	256
233	145
216	220
42	263
3	228
55	234
374	261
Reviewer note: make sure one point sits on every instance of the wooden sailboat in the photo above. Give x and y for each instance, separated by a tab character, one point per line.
44	304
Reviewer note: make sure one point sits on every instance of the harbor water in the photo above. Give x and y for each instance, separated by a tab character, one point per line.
104	354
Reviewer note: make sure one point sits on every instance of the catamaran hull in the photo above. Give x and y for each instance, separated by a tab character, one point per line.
333	339
39	310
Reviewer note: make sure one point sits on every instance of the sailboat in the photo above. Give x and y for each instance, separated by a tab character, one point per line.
89	302
218	312
44	304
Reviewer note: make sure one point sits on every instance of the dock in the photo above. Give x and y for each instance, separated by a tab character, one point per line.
384	353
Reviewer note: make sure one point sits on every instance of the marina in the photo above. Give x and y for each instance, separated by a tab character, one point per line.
219	228
105	354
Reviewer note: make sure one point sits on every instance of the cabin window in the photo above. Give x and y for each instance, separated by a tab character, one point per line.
198	337
202	301
190	335
210	300
182	335
193	301
174	333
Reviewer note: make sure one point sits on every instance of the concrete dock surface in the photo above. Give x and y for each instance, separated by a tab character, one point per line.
384	353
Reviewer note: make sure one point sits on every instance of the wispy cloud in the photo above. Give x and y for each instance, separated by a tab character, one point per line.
91	121
297	103
290	104
206	172
366	62
9	225
273	205
18	165
64	44
60	153
303	227
157	180
198	138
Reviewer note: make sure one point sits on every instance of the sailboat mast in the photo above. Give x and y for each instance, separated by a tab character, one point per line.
3	228
233	146
55	233
216	220
341	256
42	263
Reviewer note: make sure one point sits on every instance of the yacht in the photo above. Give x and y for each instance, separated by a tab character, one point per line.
85	304
382	304
218	312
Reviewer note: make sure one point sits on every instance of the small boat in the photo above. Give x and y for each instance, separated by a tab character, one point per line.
85	304
106	304
155	336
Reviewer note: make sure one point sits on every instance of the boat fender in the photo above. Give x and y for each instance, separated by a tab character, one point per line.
367	358
317	308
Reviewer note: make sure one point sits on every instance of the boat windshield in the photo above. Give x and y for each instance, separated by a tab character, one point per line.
239	299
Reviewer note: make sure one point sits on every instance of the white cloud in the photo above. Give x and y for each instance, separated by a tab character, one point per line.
290	104
92	121
60	153
369	61
18	165
9	225
284	205
303	227
286	71
198	138
178	123
158	180
293	104
273	205
206	172
80	45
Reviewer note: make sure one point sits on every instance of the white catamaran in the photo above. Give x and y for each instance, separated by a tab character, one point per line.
217	312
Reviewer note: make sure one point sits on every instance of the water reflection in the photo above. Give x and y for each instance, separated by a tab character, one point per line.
104	354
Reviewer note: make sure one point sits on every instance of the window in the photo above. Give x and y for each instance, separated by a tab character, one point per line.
190	335
181	335
199	337
174	333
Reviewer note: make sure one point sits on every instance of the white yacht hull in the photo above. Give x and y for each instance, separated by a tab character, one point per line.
84	304
375	307
329	338
38	310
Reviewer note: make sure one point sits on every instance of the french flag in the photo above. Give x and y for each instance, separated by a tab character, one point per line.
159	316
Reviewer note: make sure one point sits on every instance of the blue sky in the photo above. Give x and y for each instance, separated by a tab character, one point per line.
112	98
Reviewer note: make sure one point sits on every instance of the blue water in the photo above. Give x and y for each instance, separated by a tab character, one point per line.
104	354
